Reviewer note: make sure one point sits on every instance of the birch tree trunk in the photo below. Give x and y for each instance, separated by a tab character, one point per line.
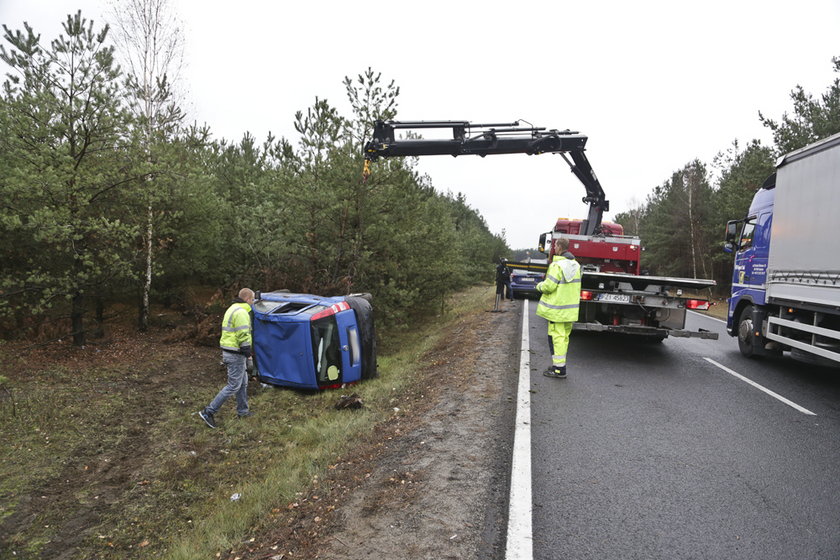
152	45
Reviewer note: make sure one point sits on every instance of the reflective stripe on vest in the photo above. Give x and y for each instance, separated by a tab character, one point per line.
562	281
570	306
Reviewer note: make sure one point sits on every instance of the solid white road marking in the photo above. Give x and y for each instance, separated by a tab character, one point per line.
519	536
765	389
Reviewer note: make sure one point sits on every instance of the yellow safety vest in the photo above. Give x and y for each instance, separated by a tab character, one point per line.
236	327
560	291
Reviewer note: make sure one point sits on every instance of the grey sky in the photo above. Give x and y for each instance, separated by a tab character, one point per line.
653	84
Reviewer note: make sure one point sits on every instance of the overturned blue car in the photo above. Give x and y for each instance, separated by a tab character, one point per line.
313	342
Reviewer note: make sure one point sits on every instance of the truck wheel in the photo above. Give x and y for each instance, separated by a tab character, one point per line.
746	340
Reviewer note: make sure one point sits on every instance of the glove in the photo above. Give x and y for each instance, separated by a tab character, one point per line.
245	350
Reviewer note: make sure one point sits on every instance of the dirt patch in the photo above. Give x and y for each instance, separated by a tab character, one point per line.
432	484
100	454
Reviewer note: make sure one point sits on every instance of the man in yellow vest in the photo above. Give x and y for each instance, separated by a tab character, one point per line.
236	349
559	304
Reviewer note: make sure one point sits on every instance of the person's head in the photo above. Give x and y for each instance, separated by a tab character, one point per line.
247	295
561	245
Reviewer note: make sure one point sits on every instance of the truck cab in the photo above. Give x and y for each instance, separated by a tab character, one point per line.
786	278
749	239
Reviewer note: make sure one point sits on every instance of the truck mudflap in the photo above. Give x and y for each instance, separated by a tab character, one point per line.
641	330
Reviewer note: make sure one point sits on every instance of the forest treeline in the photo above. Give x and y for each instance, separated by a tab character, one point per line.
109	196
681	222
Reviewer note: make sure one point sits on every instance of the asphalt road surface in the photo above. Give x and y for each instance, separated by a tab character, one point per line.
655	451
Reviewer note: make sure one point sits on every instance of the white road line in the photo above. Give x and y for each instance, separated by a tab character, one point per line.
519	535
765	389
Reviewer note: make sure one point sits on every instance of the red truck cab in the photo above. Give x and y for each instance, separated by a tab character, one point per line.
611	251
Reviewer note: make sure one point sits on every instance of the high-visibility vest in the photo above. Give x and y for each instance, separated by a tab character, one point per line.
236	327
560	291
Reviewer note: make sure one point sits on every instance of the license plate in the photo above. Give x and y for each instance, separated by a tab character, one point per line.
616	298
526	280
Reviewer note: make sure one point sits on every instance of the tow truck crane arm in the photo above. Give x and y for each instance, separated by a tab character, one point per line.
486	139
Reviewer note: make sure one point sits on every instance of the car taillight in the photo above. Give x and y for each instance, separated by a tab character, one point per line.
331	310
586	295
696	304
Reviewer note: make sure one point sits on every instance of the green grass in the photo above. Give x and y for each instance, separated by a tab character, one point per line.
299	447
119	446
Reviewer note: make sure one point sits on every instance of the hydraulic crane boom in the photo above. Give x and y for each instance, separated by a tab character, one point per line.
484	139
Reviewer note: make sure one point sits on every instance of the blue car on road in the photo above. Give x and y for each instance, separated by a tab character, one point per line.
523	283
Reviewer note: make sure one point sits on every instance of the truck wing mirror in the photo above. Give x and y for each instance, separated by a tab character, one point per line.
728	247
731	231
542	243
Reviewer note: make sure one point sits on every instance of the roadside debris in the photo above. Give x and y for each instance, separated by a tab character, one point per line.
349	401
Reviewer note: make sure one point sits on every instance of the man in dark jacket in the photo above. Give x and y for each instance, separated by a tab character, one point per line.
236	344
502	282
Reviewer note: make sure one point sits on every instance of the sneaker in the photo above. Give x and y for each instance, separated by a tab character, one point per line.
208	418
558	373
245	414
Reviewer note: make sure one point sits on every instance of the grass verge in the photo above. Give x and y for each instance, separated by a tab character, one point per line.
107	438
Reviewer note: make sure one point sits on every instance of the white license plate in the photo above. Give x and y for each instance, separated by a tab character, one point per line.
617	298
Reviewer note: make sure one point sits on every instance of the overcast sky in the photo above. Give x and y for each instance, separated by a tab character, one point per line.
654	85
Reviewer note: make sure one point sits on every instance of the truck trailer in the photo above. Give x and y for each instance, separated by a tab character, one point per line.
786	278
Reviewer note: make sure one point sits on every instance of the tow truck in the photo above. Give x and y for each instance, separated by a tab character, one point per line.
615	296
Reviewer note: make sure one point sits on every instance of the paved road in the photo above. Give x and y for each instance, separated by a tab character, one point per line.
651	451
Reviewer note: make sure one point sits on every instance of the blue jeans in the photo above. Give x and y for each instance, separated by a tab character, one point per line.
237	384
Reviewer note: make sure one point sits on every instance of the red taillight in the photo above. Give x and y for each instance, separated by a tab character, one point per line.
331	310
586	295
696	304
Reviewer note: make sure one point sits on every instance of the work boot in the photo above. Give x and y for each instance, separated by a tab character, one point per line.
556	372
208	418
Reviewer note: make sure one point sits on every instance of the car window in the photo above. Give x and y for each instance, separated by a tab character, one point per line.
276	307
265	306
326	349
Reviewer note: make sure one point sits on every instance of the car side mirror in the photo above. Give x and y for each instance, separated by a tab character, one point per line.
542	243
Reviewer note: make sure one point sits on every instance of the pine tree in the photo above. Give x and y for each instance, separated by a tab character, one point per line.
67	124
812	119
